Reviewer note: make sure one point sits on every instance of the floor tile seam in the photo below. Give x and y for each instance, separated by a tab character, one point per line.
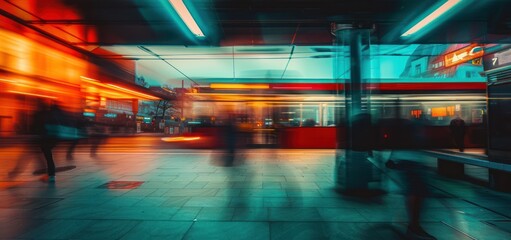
470	202
492	211
296	221
458	230
127	232
496	226
303	197
113	219
285	207
42	206
354	209
500	220
476	205
93	220
269	208
118	219
188	231
234	209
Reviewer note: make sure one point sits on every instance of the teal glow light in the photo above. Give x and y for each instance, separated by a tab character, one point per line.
431	17
187	18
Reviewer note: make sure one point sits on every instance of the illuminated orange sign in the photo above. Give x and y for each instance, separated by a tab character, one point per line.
463	55
450	110
416	113
438	112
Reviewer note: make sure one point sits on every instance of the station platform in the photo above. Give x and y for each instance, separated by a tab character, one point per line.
268	194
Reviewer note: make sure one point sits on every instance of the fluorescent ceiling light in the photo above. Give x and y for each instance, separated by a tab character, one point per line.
431	17
185	15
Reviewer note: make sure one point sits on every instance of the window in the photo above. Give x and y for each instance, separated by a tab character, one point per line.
417	69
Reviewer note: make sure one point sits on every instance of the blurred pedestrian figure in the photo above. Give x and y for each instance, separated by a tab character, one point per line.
457	127
181	127
32	150
77	122
420	136
363	139
416	189
309	123
485	130
230	133
47	120
97	135
50	124
410	171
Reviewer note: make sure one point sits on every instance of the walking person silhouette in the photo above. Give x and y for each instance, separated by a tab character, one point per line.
457	127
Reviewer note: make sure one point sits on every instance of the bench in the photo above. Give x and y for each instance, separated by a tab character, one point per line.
451	164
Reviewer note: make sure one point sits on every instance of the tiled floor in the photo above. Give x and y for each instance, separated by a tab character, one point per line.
187	194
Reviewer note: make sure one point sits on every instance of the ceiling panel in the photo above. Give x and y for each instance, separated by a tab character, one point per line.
159	73
200	70
310	68
130	52
191	52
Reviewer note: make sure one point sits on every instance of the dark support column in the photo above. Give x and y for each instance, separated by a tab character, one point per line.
450	168
353	170
500	180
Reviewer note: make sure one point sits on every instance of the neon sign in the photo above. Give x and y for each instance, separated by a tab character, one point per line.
463	55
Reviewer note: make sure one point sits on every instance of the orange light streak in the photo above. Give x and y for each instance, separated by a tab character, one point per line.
30	84
33	94
118	88
133	92
7	80
179	139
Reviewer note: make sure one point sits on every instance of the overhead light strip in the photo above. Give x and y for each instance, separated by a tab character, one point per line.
431	17
187	18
